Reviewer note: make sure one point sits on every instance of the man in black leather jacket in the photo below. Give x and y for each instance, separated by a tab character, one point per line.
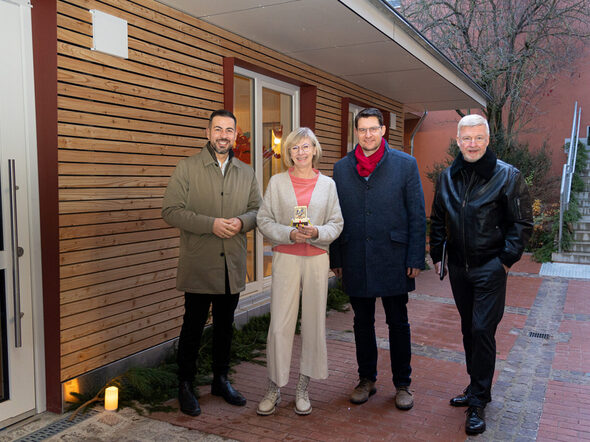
482	210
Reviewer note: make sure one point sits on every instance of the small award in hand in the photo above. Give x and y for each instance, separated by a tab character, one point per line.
300	217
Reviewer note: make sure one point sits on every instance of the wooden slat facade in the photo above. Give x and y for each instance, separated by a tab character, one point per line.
122	127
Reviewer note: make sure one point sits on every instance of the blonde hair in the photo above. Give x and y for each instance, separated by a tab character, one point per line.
295	138
472	120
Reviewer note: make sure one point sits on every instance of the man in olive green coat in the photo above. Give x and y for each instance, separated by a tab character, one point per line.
213	198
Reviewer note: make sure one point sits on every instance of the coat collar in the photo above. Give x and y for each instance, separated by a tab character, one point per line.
212	158
484	167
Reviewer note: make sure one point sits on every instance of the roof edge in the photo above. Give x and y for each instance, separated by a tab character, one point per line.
398	20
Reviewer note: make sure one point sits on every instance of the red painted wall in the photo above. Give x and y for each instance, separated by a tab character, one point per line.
44	21
552	123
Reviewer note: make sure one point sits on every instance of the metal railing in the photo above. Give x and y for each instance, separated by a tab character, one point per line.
568	171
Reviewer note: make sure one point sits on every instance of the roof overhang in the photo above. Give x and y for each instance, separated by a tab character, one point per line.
364	41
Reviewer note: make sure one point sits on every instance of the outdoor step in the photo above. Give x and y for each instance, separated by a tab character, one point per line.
582	226
583	203
580	246
585	211
583	196
581	236
573	258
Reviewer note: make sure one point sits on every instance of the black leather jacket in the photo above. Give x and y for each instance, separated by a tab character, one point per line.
482	213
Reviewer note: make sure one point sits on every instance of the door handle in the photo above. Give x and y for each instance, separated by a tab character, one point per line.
16	252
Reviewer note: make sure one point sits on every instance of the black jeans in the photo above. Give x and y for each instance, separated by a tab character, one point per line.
400	350
480	296
196	310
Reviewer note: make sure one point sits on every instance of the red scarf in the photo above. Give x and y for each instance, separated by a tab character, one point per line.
366	165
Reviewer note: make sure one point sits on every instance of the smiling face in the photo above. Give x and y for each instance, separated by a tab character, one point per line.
302	154
369	133
473	142
222	135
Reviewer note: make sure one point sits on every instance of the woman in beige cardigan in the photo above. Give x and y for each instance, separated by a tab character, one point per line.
300	264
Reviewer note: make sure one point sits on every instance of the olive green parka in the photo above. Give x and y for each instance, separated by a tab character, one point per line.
197	193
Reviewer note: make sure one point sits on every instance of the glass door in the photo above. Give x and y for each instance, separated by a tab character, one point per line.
267	110
17	364
277	123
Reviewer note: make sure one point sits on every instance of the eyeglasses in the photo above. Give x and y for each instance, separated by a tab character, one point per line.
469	140
303	148
372	130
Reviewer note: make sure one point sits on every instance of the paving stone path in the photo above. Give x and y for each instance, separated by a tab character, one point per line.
519	392
541	389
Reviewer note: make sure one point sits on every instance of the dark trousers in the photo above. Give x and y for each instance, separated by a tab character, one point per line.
480	295
196	311
400	351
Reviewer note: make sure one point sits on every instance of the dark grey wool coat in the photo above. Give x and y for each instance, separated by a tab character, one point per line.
384	225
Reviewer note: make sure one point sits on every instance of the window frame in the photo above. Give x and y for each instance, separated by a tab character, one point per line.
344	109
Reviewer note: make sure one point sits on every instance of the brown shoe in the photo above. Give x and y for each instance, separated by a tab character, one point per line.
362	391
404	399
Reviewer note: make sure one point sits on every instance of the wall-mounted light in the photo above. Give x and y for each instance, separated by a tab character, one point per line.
111	399
275	139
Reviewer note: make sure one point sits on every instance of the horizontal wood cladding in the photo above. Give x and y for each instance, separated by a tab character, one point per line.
123	124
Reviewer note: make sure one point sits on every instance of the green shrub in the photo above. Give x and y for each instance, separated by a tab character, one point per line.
546	221
337	299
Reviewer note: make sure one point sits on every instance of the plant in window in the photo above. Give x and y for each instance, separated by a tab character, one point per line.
242	147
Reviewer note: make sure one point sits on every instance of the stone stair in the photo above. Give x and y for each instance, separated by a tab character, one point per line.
579	252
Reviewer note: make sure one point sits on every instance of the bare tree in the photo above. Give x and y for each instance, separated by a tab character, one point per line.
511	48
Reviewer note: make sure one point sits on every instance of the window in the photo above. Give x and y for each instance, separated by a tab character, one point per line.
350	108
352	140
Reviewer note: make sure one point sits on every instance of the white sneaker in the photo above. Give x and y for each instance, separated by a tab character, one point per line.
302	404
270	400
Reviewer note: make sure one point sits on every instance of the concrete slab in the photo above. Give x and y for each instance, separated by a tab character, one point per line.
565	270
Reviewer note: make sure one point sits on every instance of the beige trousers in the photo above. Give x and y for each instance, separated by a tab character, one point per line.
289	274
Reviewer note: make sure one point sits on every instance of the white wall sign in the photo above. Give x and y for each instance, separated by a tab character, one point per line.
109	34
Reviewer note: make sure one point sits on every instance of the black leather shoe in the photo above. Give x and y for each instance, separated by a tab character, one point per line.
187	400
460	400
475	423
222	387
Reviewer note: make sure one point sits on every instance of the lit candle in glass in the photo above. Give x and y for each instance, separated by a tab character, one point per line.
111	398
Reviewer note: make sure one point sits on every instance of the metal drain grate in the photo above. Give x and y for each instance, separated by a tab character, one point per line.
539	335
56	427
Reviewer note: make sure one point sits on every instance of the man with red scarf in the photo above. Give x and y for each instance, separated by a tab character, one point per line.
380	250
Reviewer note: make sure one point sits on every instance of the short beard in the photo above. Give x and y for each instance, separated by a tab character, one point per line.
219	150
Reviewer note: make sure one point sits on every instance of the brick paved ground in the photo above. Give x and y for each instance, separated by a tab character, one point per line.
541	388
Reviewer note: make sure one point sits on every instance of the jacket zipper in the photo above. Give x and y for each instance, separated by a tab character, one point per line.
463	204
